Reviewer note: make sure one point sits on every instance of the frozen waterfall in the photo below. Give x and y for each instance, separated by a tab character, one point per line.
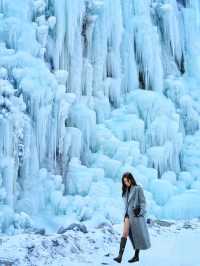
90	89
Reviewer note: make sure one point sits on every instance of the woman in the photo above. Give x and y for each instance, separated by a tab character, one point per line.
134	218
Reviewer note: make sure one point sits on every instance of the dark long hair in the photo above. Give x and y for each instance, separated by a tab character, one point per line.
130	177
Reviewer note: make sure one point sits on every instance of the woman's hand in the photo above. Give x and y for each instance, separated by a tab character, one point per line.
136	211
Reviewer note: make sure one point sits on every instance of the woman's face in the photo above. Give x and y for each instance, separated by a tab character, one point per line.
127	182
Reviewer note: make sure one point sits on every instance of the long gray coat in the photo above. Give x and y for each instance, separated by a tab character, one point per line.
138	231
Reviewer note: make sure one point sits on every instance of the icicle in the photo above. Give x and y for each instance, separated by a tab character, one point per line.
147	46
85	119
130	75
164	158
189	115
191	24
9	177
87	78
169	22
68	16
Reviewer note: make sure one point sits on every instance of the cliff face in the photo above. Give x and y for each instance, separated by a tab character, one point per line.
90	89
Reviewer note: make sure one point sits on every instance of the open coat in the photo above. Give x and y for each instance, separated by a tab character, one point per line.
138	231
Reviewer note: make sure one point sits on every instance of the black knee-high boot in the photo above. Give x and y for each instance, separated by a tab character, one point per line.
121	249
135	257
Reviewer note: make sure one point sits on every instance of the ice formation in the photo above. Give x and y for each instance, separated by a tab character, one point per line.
90	89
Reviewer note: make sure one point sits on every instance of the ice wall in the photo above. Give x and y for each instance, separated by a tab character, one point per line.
90	89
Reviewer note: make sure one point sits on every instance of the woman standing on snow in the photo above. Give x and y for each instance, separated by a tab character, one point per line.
134	218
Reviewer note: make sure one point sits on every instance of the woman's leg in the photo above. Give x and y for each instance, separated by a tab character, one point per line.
123	240
135	257
126	227
137	252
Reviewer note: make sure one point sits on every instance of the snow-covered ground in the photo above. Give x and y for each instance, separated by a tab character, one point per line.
173	244
90	89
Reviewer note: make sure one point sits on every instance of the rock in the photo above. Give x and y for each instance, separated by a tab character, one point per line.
45	243
65	238
78	227
7	262
106	227
75	227
61	230
55	242
30	248
187	225
163	223
40	231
